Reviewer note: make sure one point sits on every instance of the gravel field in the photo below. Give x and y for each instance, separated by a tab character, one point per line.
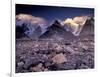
52	55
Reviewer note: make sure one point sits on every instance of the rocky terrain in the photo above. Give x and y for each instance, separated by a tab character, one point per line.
50	55
54	50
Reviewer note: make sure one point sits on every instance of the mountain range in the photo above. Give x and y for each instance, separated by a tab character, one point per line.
57	30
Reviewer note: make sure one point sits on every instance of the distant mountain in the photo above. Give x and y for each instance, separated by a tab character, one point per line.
54	28
20	31
75	25
88	27
28	30
57	31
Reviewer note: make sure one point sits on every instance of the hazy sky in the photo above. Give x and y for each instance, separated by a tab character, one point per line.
51	13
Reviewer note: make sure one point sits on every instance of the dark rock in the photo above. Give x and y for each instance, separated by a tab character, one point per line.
44	51
67	43
65	66
37	68
48	63
53	67
78	64
30	62
83	66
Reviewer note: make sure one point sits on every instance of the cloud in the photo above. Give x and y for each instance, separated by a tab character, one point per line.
33	19
76	21
76	24
70	22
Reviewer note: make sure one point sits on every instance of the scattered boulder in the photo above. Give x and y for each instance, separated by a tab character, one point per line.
30	62
59	58
46	69
70	49
59	48
37	68
20	64
83	46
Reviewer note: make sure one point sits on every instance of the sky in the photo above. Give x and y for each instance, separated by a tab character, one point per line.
51	13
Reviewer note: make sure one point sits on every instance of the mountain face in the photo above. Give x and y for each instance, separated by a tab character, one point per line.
20	31
54	28
76	24
56	31
28	30
88	27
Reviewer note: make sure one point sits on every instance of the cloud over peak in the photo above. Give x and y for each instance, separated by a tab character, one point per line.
33	19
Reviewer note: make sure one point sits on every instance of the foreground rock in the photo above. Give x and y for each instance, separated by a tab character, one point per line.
59	58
